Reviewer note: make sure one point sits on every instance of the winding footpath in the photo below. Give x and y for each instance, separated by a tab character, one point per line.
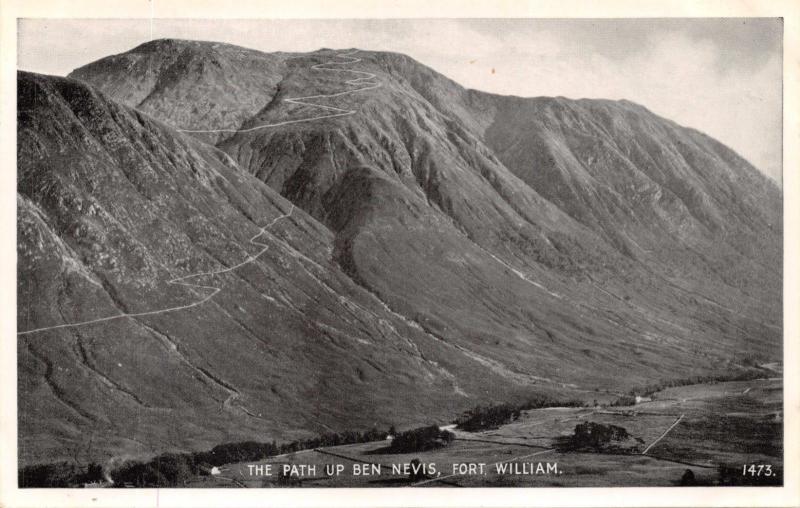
366	79
182	281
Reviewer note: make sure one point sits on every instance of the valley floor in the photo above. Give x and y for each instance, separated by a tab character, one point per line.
715	430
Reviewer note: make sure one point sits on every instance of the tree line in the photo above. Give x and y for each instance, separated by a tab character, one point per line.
420	439
173	469
647	390
493	416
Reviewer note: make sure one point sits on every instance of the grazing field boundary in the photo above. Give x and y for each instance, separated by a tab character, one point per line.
685	463
500	442
663	435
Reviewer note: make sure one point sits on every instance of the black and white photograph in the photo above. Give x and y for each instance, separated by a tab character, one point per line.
391	253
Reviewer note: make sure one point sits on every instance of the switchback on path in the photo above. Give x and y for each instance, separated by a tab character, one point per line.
328	111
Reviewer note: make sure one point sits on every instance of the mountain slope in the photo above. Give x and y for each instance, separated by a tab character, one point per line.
668	196
193	83
623	250
661	194
276	342
445	247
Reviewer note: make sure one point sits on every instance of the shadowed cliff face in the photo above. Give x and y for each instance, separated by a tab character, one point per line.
428	248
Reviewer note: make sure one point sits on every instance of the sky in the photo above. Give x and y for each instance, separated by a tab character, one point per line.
722	76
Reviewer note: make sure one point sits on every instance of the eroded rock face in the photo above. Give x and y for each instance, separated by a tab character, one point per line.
445	247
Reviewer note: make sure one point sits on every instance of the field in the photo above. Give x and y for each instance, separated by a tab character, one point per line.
711	429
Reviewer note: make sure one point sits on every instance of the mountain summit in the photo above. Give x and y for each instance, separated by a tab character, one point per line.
375	244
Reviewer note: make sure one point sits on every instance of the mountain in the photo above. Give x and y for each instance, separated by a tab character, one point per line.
193	83
116	213
445	248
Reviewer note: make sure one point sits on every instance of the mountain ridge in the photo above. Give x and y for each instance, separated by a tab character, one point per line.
113	389
450	247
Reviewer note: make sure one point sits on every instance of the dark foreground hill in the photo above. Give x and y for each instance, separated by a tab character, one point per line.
445	247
